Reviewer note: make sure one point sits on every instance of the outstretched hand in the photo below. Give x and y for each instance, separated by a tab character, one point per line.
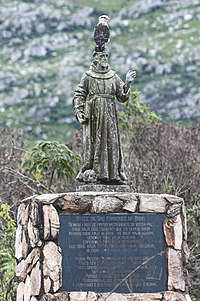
130	75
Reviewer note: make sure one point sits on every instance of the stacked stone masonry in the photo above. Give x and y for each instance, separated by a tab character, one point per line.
39	258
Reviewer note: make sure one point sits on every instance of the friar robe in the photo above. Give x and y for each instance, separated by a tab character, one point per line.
95	96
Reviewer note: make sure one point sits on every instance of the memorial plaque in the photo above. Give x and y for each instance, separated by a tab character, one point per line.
100	250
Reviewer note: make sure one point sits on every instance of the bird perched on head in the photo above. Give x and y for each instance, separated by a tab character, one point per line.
101	33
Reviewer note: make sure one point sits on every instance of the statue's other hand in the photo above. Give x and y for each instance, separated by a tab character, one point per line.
130	75
82	117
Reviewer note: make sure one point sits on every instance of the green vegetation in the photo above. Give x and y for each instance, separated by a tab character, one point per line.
53	157
8	282
136	111
45	58
104	5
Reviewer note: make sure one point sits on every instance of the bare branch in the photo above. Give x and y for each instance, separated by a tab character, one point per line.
36	182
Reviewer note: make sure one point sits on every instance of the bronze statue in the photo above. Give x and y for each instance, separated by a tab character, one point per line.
95	108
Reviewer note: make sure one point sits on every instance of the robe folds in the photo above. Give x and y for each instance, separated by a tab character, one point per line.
96	97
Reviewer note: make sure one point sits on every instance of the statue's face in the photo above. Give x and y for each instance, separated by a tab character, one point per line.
102	60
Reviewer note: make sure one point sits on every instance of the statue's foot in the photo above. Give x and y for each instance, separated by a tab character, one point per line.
89	176
123	177
79	177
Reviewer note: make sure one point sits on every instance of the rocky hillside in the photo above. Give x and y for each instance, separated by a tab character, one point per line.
46	45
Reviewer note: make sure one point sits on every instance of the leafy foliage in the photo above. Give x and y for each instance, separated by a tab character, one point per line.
164	158
136	111
16	184
39	73
52	156
7	260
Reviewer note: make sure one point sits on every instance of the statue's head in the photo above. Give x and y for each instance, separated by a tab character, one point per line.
100	59
104	19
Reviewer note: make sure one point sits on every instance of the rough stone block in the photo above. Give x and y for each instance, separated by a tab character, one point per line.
47	283
25	266
51	222
20	292
174	210
131	297
174	232
34	224
175	271
18	242
78	296
36	280
74	203
113	297
33	234
130	203
64	296
91	296
25	244
21	243
21	239
48	198
20	271
48	297
105	204
21	214
145	297
172	199
152	203
52	267
173	296
27	289
125	196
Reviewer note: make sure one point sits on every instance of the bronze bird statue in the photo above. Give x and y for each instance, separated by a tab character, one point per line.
101	33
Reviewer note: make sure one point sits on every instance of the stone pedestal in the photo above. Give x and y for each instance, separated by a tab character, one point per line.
104	188
39	256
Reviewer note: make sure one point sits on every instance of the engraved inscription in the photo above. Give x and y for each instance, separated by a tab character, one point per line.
101	250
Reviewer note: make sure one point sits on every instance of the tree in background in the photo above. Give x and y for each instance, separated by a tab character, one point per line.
12	187
53	157
165	158
42	169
